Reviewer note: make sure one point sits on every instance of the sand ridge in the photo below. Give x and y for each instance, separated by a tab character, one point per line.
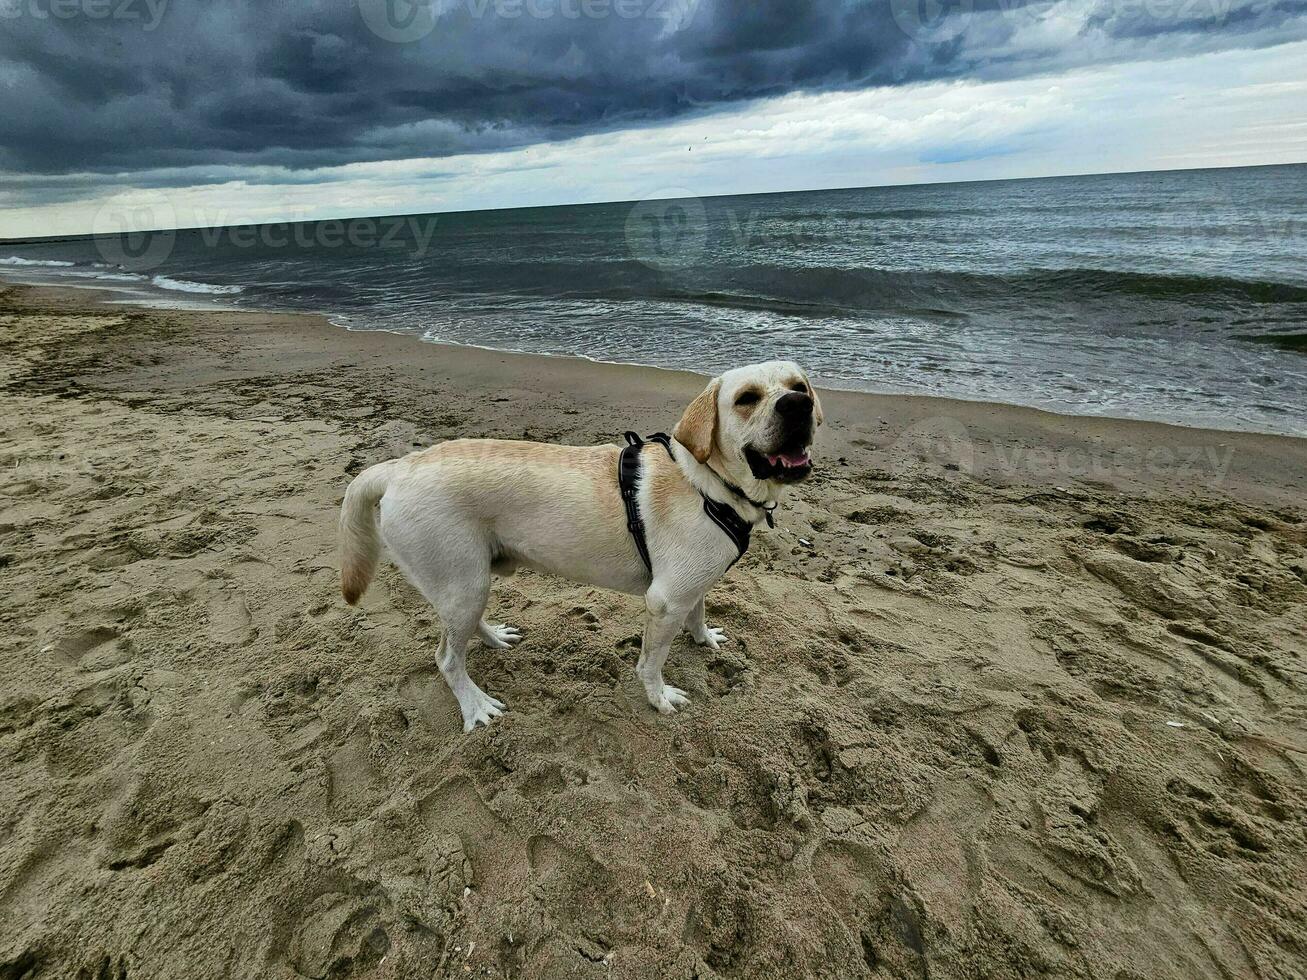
965	726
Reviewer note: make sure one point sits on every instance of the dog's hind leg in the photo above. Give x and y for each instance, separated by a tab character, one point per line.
457	584
498	636
704	635
478	707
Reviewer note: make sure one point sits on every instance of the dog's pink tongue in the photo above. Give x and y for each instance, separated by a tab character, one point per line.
790	459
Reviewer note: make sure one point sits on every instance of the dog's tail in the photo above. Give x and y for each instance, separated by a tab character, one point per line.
359	542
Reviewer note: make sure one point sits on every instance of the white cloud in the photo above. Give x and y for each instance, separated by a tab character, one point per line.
1224	109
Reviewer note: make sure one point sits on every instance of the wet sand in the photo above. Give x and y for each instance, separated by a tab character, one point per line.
1006	692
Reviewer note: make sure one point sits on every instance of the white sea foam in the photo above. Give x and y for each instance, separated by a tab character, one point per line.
186	286
51	263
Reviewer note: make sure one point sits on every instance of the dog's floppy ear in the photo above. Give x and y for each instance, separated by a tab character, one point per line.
698	425
817	415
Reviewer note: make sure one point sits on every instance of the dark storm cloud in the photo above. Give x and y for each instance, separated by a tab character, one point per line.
121	86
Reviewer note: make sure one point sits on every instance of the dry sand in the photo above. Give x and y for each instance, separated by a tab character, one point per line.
1007	693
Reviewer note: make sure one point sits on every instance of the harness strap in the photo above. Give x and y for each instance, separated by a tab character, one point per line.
723	515
739	492
628	471
735	526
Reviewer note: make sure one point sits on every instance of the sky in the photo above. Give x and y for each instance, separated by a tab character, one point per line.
127	114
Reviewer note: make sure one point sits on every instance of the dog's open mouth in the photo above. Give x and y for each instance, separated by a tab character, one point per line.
787	465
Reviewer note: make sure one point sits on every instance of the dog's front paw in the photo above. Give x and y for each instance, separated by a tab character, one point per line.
711	637
669	699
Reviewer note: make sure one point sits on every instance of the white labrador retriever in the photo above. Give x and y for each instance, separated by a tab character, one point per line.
455	513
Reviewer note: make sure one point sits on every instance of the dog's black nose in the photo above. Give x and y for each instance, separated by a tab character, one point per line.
794	405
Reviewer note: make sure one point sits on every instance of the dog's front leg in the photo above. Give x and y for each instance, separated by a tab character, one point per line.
703	634
666	614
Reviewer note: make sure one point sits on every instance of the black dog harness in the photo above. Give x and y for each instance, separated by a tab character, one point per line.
723	515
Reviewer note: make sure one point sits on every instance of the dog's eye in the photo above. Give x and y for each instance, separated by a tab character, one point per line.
801	388
747	398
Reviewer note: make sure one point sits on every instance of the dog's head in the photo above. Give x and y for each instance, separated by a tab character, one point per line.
762	416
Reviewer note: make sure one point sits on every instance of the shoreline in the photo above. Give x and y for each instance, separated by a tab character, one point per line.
179	301
195	306
968	719
994	441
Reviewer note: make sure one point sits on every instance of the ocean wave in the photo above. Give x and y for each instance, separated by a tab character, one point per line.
749	301
117	276
48	263
186	286
819	291
1170	286
888	214
1284	341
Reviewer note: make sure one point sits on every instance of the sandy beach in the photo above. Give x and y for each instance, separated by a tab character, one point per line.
1007	693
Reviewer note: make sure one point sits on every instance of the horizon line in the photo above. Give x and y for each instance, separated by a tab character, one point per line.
54	239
